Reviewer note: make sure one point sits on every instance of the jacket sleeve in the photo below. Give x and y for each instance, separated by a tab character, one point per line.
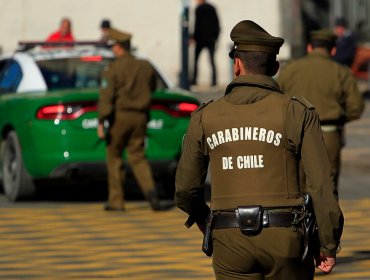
354	103
319	182
106	95
191	174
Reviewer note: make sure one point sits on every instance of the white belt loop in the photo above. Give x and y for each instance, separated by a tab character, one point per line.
329	128
265	218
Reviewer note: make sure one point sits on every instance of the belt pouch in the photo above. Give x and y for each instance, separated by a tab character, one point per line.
249	219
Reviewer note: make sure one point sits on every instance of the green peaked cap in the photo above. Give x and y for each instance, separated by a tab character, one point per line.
323	35
249	36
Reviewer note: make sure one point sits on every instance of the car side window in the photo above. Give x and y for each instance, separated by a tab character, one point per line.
10	76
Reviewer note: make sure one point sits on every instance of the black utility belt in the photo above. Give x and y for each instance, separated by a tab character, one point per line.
251	219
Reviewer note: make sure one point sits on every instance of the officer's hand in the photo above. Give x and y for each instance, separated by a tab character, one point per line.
201	227
324	263
101	133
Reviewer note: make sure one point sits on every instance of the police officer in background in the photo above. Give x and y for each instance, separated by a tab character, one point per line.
255	138
125	95
330	87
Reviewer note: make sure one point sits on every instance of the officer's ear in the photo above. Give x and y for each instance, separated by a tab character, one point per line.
309	48
333	51
238	67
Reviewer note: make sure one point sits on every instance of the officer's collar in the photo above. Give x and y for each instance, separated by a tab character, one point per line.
125	55
261	81
318	52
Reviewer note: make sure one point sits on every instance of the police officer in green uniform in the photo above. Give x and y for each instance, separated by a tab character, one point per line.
330	87
125	94
255	138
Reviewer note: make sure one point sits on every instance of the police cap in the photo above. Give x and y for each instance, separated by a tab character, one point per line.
116	36
323	35
249	36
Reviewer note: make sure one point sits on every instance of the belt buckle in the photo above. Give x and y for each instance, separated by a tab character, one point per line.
265	218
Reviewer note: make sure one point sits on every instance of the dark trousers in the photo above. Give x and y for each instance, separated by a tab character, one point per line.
273	254
211	50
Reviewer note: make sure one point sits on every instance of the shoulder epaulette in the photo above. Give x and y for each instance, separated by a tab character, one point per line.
201	107
304	102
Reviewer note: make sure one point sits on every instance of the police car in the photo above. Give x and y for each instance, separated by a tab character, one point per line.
48	118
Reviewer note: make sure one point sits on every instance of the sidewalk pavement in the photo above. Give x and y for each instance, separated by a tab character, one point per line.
72	240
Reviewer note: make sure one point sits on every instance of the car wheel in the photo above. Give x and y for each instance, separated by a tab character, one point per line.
17	182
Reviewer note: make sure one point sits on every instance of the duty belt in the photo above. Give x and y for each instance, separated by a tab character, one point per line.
222	220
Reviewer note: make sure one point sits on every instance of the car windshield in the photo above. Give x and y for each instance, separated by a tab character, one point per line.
82	72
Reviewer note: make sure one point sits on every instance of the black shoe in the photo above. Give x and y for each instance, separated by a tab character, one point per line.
161	205
157	204
110	208
166	204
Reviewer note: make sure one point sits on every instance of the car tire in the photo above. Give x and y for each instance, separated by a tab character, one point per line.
17	183
2	144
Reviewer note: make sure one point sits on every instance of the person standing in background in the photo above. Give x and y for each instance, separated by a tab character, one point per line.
206	31
64	33
346	43
105	26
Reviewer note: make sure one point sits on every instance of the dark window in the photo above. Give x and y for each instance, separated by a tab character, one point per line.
84	72
72	72
10	76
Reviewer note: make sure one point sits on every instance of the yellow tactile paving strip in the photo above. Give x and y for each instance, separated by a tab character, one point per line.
354	258
80	241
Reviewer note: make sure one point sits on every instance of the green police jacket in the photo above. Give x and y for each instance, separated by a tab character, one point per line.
254	139
127	84
329	86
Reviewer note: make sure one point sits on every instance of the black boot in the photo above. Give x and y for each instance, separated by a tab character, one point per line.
156	203
154	200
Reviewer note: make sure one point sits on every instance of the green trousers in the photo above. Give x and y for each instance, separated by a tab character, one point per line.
273	254
127	133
